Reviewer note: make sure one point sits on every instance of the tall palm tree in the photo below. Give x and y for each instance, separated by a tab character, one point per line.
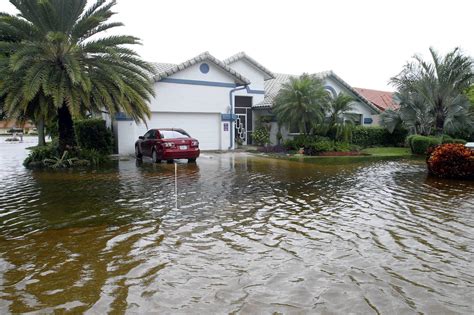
437	86
301	102
62	58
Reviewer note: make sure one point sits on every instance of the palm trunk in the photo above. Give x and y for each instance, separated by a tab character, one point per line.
439	122
40	128
67	137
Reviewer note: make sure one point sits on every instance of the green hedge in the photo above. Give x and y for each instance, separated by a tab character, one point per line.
92	134
420	144
377	136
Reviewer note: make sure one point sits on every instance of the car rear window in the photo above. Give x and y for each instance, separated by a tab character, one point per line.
172	134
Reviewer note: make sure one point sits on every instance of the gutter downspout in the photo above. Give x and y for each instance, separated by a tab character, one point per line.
231	99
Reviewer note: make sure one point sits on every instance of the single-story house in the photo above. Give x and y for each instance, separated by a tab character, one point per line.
9	126
218	101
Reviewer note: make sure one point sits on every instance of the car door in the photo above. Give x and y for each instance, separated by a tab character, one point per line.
148	142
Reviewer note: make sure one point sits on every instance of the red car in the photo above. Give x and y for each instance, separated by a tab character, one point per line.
167	144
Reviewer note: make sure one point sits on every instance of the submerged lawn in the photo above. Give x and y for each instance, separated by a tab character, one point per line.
388	151
371	154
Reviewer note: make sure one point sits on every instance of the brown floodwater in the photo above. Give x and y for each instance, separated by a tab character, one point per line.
250	235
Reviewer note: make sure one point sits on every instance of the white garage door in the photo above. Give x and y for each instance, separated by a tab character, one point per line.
204	127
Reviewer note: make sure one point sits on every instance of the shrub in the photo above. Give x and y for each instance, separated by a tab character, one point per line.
93	156
320	146
261	136
342	147
48	156
92	134
39	154
451	160
421	144
377	136
446	139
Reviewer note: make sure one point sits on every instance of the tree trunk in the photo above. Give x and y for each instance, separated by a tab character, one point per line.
439	122
67	137
40	128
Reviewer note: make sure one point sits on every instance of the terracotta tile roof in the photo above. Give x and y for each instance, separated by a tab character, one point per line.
381	99
4	124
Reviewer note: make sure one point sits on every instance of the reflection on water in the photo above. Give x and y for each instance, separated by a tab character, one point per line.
251	235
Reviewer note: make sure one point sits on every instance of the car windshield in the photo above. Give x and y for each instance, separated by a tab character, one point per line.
173	134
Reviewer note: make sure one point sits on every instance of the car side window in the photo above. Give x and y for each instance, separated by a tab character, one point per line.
149	134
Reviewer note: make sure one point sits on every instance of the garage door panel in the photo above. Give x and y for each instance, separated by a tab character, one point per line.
204	127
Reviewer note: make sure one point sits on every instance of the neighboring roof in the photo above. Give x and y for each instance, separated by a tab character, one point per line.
272	87
382	99
169	69
242	55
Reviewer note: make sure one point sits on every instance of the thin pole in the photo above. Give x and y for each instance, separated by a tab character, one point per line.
176	184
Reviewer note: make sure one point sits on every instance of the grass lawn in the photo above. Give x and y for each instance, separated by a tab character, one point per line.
387	151
372	154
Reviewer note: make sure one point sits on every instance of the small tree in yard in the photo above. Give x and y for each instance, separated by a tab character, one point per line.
430	94
57	58
301	102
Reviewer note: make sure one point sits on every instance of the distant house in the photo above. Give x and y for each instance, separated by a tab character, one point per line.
9	126
382	99
219	102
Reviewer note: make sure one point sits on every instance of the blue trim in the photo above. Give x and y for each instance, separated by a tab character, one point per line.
368	121
210	83
250	91
228	117
120	116
204	68
331	89
198	82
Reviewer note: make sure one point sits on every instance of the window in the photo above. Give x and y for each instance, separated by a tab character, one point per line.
173	134
356	119
151	134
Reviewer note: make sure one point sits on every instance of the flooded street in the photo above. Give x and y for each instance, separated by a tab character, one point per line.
250	235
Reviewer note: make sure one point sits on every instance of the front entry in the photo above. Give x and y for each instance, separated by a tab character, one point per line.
243	124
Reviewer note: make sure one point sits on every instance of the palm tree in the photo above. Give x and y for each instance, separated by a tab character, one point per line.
432	91
301	102
60	57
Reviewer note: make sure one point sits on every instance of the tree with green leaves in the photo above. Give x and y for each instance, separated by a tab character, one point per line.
59	60
336	126
430	94
301	102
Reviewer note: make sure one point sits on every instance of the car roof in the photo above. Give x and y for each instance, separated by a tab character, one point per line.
169	129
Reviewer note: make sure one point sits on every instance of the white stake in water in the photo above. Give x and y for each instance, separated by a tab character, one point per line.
176	184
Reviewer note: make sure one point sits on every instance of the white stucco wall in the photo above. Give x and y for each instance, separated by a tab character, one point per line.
186	101
255	75
358	107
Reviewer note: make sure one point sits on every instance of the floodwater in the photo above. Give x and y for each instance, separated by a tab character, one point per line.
250	235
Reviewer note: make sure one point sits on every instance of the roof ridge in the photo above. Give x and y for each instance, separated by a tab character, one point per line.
255	63
202	57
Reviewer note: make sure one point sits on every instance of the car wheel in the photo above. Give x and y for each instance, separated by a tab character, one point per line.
169	161
154	157
193	160
138	155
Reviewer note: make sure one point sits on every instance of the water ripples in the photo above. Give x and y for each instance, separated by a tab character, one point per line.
250	235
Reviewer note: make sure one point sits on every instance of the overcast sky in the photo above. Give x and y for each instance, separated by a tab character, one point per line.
364	42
